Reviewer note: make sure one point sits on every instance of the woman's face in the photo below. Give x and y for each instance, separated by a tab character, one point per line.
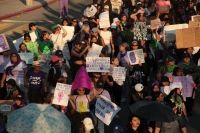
23	47
27	39
160	98
171	63
65	23
165	83
135	122
115	62
74	22
178	91
94	39
134	47
142	42
121	48
156	88
124	18
17	102
190	51
78	46
179	72
81	91
14	57
186	60
36	68
46	35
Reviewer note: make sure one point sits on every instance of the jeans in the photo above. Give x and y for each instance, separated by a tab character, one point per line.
97	123
63	7
127	84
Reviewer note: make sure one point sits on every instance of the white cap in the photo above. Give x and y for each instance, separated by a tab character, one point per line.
106	6
94	29
139	87
115	20
88	123
139	3
175	85
113	26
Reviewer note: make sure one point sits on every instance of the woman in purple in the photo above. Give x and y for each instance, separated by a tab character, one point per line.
63	8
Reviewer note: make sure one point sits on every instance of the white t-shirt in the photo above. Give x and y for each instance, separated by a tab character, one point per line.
57	41
3	62
82	103
18	73
106	36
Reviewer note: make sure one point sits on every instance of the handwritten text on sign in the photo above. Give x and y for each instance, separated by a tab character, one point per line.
135	56
97	64
105	110
119	73
61	94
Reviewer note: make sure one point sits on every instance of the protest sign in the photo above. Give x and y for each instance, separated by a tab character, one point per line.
28	57
165	89
44	60
97	64
140	31
188	37
187	82
170	31
155	23
33	36
135	56
105	110
116	6
6	106
70	33
119	73
196	18
61	94
90	11
104	20
94	51
17	42
194	24
163	6
3	43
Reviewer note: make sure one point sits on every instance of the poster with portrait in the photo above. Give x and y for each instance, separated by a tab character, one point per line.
140	31
3	43
135	56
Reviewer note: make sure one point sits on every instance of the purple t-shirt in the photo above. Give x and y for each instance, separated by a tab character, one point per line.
35	79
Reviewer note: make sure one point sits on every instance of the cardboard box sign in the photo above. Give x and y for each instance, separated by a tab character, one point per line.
193	24
164	9
196	18
188	37
6	106
3	43
155	23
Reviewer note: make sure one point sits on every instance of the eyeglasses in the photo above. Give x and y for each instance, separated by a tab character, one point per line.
81	90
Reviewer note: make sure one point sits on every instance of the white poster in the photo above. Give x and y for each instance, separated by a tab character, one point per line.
135	56
170	30
44	60
17	42
105	110
104	20
94	51
61	94
119	73
165	89
97	64
90	11
70	33
28	57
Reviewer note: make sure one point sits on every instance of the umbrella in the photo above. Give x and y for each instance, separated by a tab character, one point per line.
38	118
153	111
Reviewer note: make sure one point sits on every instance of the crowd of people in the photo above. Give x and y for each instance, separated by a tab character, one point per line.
26	84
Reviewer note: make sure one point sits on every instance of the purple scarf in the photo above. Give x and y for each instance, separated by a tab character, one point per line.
14	64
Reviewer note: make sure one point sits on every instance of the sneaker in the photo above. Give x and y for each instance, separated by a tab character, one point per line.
60	17
117	116
123	100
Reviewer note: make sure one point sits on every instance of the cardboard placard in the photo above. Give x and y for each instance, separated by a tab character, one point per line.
188	37
6	106
3	43
163	6
17	42
196	18
135	56
104	20
90	11
95	50
155	23
97	64
194	24
140	31
119	73
70	33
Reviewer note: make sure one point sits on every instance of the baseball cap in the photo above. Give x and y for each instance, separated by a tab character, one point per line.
54	26
94	29
18	97
100	84
134	42
139	3
31	25
36	63
88	123
169	59
164	79
59	53
191	1
55	58
11	82
113	26
185	55
118	129
106	6
139	87
116	20
124	45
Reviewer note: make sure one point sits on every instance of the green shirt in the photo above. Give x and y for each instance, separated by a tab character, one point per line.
33	47
45	46
127	35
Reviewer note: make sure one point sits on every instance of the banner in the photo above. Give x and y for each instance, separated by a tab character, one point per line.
188	37
169	30
140	31
97	64
17	42
187	82
104	20
44	60
194	24
3	43
28	57
119	73
105	110
6	106
70	33
135	56
163	6
165	89
196	18
95	51
156	23
61	94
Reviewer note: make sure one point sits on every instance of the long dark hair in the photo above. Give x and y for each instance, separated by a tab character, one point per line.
21	46
27	35
43	34
129	126
176	70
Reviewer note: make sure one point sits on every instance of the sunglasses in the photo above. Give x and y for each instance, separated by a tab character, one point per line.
75	21
81	90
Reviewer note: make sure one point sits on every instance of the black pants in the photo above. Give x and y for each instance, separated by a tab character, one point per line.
117	93
3	91
34	95
74	70
77	121
189	104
